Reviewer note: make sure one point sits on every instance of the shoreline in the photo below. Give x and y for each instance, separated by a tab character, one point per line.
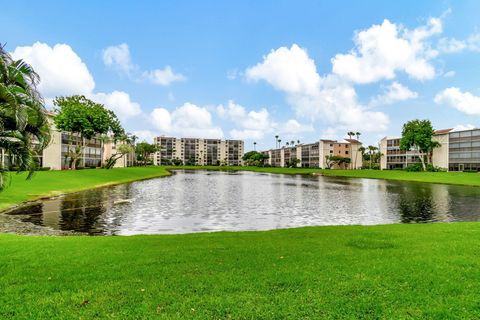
14	224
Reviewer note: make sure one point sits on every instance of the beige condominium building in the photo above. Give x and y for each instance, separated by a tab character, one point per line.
55	155
194	151
458	151
314	155
110	148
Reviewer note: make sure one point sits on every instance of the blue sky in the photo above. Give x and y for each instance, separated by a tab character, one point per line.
253	69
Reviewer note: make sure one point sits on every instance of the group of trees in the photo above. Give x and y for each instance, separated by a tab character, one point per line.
24	128
254	158
278	142
332	160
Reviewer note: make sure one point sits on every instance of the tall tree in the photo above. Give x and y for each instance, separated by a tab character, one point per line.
371	151
417	135
83	119
144	150
24	127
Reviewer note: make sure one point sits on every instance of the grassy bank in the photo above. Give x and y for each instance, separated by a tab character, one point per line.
391	272
459	178
49	183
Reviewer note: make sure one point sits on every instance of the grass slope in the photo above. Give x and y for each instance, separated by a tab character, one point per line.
48	183
390	272
458	178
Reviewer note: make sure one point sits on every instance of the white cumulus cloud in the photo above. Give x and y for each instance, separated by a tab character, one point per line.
256	124
119	102
63	73
252	124
118	57
163	77
188	120
145	135
382	50
61	70
330	99
462	101
452	45
462	127
395	92
287	69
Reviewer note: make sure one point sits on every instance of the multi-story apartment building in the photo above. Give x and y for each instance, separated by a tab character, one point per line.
110	148
55	155
314	155
198	151
393	157
458	151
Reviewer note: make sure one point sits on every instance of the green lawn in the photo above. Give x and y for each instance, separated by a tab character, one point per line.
460	178
48	183
391	272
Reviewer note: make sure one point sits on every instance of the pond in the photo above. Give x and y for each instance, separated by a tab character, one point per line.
201	201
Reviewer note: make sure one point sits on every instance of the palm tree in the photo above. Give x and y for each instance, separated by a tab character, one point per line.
350	134
287	143
357	134
254	146
24	127
362	152
292	143
298	141
279	142
276	141
371	152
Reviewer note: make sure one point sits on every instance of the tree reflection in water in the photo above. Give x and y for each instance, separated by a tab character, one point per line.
416	204
82	212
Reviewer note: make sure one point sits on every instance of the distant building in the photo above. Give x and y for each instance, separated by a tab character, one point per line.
110	148
194	151
314	155
458	151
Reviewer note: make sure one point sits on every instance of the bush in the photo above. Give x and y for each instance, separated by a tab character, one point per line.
43	169
470	171
417	167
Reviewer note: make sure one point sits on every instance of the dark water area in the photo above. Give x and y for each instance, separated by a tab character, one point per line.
205	201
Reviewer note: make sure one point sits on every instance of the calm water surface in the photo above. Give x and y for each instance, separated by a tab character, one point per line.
198	201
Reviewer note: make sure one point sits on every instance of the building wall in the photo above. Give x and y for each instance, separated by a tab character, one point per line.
464	150
440	154
383	151
110	148
313	155
199	151
52	154
394	158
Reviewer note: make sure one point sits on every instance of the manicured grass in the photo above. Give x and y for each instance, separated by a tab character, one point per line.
353	272
49	183
459	178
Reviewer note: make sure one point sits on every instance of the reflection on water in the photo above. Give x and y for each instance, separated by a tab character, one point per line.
195	201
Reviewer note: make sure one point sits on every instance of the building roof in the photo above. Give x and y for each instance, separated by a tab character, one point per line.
353	141
442	131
